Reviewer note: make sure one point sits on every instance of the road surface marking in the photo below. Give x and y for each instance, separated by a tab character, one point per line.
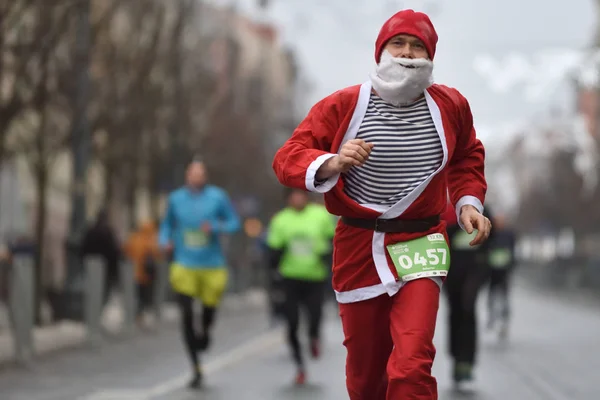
234	356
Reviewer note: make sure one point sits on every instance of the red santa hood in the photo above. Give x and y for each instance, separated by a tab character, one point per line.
407	22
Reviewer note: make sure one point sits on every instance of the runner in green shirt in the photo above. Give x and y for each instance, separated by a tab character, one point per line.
299	240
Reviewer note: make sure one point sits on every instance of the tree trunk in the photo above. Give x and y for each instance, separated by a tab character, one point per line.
154	182
41	181
156	209
40	169
109	192
3	122
131	202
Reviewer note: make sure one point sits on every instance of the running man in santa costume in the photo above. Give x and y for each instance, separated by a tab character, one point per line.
385	154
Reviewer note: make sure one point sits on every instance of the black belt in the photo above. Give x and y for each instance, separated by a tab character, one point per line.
394	225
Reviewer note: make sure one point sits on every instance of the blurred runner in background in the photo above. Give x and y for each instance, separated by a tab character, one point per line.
142	250
101	240
299	240
468	272
196	216
502	262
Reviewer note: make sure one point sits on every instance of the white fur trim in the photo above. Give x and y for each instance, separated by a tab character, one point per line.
361	294
370	292
311	174
378	251
359	113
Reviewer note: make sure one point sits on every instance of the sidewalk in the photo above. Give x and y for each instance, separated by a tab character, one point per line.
68	334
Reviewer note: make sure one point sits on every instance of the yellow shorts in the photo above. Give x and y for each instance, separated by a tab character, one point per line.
207	285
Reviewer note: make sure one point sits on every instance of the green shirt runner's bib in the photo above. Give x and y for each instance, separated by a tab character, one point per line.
425	257
302	247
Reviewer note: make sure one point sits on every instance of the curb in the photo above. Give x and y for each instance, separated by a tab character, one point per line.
68	335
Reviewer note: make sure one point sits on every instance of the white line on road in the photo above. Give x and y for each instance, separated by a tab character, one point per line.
232	357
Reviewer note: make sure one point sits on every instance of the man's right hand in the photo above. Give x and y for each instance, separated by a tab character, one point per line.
354	153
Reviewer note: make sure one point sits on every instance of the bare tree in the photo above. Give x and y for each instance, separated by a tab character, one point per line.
16	53
125	56
40	132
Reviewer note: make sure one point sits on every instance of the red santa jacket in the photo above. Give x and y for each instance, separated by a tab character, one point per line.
449	215
362	268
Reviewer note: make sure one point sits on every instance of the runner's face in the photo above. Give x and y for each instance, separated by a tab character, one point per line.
298	199
406	46
196	175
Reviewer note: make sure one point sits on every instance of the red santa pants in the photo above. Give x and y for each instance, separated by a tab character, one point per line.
389	341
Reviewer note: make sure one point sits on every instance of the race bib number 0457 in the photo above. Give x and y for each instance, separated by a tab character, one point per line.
424	257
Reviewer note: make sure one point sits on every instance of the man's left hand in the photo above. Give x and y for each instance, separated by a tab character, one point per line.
472	220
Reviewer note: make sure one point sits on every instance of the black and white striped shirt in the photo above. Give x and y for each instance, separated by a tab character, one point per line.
407	151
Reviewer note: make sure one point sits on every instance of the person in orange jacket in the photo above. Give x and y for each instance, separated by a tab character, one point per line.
143	251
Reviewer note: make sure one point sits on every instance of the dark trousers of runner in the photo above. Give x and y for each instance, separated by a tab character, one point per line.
462	286
499	283
194	340
145	297
308	295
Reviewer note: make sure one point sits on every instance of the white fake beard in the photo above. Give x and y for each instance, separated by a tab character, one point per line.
400	81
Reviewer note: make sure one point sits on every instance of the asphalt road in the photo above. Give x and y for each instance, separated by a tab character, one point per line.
551	354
